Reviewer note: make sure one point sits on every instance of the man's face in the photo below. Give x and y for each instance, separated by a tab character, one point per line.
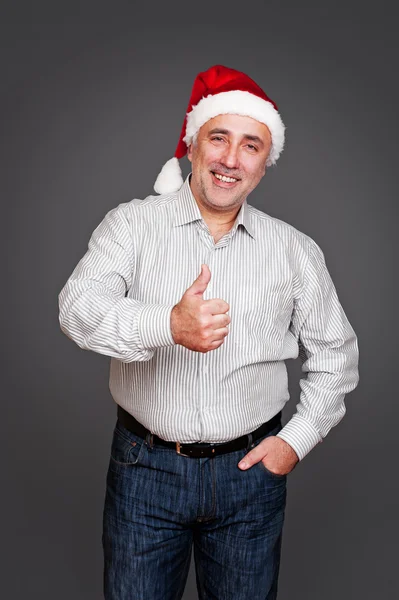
233	146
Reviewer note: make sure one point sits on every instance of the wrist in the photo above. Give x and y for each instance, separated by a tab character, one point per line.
173	323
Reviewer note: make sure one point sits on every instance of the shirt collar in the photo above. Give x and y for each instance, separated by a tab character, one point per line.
187	210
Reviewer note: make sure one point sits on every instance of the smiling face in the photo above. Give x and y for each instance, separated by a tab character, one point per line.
228	160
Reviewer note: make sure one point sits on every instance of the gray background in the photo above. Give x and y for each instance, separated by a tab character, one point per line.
92	105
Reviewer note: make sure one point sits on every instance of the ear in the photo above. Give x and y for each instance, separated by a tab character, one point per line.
264	170
190	152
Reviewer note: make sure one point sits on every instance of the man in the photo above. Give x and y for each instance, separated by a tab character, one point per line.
199	298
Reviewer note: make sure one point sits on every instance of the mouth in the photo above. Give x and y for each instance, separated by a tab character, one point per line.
224	181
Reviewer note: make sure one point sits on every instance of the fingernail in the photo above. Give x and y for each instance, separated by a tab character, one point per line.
243	465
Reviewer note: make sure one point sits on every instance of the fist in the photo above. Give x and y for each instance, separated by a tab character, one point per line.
199	324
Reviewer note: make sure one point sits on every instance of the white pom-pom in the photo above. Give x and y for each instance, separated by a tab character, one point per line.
170	178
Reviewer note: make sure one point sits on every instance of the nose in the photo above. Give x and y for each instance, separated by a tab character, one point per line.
230	156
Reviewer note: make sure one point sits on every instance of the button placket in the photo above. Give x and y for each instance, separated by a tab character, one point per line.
205	358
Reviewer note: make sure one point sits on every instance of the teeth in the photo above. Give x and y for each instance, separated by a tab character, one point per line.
224	178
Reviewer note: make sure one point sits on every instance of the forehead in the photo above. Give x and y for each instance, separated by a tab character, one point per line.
237	125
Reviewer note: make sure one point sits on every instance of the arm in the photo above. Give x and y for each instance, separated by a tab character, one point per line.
329	354
94	310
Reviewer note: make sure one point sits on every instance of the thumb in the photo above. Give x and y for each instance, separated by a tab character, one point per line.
255	455
200	284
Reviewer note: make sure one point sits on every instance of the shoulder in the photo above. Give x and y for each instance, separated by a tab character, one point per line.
152	209
294	240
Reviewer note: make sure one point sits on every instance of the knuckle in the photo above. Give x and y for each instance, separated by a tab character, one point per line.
204	320
202	309
248	458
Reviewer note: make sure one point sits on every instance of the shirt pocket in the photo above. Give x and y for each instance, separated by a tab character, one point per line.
261	316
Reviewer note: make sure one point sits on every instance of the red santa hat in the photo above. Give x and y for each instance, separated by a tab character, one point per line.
217	91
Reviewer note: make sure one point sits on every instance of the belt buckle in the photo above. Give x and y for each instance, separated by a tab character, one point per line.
178	450
178	445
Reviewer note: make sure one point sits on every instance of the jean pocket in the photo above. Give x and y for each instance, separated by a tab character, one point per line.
270	473
127	448
260	465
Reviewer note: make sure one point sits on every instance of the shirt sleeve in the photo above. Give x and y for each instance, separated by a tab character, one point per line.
329	353
94	311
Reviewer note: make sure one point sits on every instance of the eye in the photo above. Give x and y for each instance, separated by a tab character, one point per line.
217	138
252	147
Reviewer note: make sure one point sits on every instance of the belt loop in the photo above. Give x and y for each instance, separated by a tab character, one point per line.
249	440
149	439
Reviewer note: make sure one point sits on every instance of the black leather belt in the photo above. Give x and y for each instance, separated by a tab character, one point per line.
198	449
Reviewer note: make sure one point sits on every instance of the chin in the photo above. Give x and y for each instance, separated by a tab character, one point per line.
223	201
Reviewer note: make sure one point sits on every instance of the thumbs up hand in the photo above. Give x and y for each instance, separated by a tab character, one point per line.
199	324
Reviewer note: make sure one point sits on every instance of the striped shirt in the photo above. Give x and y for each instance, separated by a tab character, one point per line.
141	259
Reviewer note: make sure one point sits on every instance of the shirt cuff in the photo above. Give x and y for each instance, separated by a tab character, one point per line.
155	327
300	435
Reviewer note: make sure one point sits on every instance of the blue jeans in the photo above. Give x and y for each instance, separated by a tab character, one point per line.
158	504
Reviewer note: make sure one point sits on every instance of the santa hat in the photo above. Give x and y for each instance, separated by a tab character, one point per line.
217	91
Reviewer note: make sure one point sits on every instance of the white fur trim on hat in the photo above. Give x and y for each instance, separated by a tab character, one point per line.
170	178
242	103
